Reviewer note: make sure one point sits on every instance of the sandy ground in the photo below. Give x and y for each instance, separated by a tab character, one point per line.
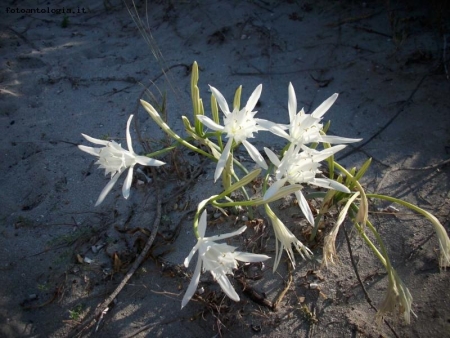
63	75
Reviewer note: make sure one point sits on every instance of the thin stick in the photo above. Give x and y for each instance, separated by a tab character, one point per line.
86	323
366	294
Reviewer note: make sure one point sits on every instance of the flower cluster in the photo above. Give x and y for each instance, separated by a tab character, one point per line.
297	166
300	163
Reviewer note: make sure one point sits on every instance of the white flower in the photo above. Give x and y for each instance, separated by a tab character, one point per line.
286	239
301	167
115	160
239	125
219	259
305	128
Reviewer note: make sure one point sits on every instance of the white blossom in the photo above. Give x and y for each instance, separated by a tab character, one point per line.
305	128
219	259
299	167
238	125
115	160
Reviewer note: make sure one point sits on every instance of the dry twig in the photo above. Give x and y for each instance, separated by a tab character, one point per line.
86	323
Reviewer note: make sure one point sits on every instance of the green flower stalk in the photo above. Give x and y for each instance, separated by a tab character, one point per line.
160	122
444	241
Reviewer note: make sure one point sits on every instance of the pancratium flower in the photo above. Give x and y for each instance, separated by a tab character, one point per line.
305	128
239	125
299	167
285	240
115	160
219	259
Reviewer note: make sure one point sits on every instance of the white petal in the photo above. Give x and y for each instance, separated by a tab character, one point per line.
147	161
193	284
95	140
284	191
268	125
303	203
329	184
90	150
254	154
272	157
223	159
275	128
221	101
279	131
227	288
210	123
187	260
202	225
251	103
324	154
338	139
107	188
292	103
323	108
228	235
274	188
127	184
129	143
249	257
278	254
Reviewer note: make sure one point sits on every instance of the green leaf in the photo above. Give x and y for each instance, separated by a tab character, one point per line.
237	98
363	169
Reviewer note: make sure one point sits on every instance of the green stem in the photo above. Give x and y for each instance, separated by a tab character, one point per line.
382	256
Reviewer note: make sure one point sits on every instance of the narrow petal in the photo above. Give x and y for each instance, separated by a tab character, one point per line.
277	185
275	128
90	150
323	108
210	123
95	140
251	103
228	288
249	257
272	157
220	100
127	184
329	184
193	284
187	260
266	124
107	188
202	224
254	154
337	139
278	254
223	159
147	161
303	204
292	103
129	143
284	191
228	235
